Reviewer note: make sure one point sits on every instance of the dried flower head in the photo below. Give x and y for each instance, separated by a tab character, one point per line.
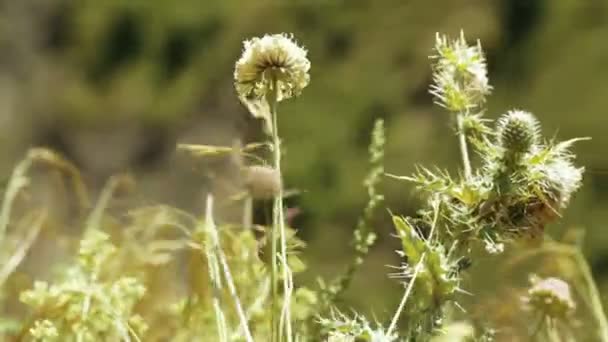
272	57
460	81
518	132
551	297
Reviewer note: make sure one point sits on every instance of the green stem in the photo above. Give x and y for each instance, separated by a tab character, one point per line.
464	151
594	294
278	228
272	101
214	235
279	219
406	295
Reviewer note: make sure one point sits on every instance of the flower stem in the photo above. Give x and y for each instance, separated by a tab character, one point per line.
598	310
406	295
278	225
272	101
464	151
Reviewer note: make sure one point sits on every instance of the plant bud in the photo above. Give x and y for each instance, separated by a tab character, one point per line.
262	182
518	132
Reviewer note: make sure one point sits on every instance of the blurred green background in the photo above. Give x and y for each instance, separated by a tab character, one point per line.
115	84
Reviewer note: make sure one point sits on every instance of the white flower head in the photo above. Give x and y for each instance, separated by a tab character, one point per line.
550	297
564	179
460	80
271	58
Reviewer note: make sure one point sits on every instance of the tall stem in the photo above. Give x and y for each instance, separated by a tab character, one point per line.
278	229
596	302
211	229
278	213
277	206
464	151
406	295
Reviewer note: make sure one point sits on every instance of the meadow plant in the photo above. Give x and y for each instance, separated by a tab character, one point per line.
158	273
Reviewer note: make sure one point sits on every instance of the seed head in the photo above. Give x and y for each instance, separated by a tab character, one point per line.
518	132
551	297
271	57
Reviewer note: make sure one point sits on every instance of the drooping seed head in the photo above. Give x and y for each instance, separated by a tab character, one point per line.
262	182
518	132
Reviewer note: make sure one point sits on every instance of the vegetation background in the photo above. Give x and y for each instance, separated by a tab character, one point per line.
115	84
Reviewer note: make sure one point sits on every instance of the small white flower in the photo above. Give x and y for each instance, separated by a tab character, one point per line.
550	297
272	57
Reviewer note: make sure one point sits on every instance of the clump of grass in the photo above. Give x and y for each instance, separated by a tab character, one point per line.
159	273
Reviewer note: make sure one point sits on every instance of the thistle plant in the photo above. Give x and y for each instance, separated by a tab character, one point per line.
522	184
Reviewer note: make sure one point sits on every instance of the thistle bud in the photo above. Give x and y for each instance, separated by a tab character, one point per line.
262	182
518	132
551	297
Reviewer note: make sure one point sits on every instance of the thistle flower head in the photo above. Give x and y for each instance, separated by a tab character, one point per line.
550	297
460	81
264	60
518	132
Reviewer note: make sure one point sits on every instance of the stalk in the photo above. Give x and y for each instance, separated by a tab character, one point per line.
221	257
406	295
278	214
594	294
464	151
278	229
215	277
